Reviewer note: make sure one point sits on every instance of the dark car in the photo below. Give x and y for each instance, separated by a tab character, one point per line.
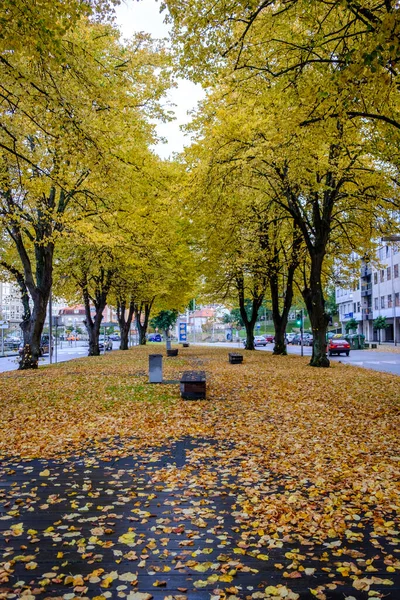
115	337
154	337
338	346
44	345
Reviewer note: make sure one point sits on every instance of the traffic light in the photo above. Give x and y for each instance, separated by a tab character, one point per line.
298	319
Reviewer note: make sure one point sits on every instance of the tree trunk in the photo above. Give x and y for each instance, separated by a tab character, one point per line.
124	332
93	324
32	333
249	326
256	303
33	322
281	319
144	309
93	332
125	323
315	303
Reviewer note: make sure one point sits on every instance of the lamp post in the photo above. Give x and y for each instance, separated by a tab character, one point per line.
50	323
392	238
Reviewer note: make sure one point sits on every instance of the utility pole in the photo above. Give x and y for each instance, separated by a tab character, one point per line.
50	324
302	331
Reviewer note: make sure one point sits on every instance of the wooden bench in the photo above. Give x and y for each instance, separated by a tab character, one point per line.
235	358
193	385
172	352
185	344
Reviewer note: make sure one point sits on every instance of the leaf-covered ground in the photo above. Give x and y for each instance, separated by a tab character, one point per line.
282	484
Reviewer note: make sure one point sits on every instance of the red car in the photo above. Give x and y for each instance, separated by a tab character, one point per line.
269	338
337	346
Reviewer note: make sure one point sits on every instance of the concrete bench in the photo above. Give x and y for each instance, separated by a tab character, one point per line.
172	352
193	385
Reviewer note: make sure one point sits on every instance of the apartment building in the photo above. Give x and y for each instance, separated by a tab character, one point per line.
376	293
11	308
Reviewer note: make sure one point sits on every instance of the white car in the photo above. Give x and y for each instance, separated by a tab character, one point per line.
259	340
289	337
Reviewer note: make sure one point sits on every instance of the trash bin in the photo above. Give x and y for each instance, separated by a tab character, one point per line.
353	341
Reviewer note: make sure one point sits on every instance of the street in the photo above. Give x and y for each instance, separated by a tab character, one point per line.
369	359
77	350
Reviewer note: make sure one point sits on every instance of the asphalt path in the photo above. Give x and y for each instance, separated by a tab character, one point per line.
369	359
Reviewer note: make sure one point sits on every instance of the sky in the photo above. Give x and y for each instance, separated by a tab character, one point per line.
133	16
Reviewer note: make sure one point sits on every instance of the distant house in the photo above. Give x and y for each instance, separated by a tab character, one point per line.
74	316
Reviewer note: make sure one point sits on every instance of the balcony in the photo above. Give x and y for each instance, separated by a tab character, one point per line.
365	271
366	289
367	314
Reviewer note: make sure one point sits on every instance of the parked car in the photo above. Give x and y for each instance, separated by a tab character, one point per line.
115	337
105	342
269	337
289	337
72	337
338	346
44	345
259	340
154	337
308	339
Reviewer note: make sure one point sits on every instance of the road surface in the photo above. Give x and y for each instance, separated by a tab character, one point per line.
369	359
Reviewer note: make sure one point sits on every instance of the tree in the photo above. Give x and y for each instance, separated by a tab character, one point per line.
355	43
165	320
91	121
322	177
380	323
351	325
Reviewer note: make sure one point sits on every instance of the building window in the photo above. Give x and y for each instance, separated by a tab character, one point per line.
387	251
390	301
354	307
358	307
389	273
397	299
376	303
382	301
382	275
375	278
395	271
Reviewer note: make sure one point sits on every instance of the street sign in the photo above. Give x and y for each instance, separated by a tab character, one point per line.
4	326
183	332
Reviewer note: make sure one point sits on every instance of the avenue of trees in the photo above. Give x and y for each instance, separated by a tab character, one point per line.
85	204
296	157
294	162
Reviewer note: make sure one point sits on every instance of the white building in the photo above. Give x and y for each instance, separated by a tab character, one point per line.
375	294
11	308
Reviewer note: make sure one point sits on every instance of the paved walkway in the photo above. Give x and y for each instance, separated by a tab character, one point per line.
166	524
